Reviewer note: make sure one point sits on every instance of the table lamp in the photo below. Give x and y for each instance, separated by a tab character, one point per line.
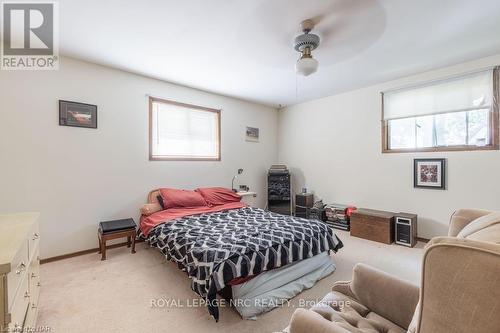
240	171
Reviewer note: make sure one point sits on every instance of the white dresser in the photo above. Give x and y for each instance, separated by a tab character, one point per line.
19	271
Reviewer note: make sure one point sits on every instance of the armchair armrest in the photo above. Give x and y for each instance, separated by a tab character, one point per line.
384	294
462	217
343	287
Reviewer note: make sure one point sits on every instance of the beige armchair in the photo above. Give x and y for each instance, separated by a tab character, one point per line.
460	293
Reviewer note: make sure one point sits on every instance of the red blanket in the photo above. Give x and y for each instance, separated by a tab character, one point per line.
151	221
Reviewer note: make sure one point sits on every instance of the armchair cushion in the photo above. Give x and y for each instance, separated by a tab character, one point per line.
490	234
463	217
338	313
481	224
304	321
388	296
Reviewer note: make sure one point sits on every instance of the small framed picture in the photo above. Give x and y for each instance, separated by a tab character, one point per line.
77	114
252	134
429	173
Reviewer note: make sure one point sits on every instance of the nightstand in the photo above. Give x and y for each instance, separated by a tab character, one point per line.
248	197
303	204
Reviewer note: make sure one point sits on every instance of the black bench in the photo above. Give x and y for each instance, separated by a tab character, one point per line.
116	229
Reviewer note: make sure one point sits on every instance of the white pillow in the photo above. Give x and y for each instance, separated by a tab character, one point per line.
490	234
479	224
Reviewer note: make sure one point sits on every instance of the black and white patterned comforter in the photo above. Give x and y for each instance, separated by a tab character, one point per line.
215	248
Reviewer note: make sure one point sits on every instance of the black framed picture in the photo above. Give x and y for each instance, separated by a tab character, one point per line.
252	134
77	114
429	173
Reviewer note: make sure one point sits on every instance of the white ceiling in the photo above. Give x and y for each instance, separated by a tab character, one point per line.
244	49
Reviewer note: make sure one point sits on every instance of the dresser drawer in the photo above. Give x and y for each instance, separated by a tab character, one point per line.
34	281
30	321
19	307
34	293
18	272
33	240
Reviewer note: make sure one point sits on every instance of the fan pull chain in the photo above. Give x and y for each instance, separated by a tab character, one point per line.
296	88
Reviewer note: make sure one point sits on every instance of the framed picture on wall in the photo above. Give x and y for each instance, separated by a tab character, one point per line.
429	173
77	114
252	134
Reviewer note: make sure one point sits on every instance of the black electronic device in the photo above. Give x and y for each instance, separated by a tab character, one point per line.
279	190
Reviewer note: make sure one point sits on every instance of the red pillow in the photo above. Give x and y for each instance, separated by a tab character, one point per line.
218	195
173	198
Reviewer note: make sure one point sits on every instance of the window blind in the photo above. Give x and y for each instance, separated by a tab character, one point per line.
184	132
468	92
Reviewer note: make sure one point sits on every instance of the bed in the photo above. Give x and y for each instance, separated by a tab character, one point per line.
226	245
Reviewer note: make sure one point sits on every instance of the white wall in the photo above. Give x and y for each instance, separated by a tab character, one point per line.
333	145
77	177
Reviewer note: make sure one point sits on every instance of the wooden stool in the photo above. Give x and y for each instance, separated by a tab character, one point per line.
116	229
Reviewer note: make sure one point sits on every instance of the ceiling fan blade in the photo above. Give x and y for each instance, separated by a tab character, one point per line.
339	8
342	21
330	31
317	19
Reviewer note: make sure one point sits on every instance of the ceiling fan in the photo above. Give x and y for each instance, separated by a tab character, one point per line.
305	43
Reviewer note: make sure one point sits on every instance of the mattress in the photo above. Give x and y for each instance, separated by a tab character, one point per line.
272	289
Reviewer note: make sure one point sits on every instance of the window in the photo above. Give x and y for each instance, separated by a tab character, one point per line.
179	131
454	114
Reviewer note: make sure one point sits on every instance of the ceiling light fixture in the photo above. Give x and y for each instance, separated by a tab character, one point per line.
305	43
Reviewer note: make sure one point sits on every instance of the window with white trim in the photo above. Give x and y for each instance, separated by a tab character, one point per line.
181	131
459	113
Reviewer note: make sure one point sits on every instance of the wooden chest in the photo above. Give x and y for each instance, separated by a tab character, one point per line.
375	225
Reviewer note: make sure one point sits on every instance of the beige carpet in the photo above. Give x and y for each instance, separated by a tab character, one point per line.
84	294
